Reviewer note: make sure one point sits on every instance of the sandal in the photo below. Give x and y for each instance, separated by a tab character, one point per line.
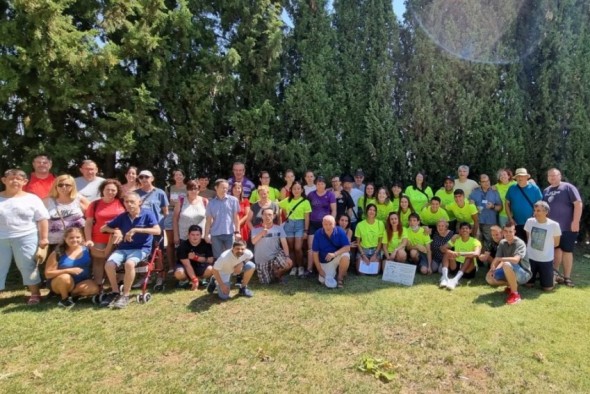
568	282
558	277
340	284
34	300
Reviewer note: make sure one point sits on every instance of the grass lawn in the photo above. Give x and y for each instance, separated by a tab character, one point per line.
302	338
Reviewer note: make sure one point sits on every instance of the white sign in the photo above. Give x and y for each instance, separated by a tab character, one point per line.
369	269
399	273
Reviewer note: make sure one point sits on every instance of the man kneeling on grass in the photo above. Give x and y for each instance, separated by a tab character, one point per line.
510	267
462	260
271	251
195	259
133	233
234	261
331	249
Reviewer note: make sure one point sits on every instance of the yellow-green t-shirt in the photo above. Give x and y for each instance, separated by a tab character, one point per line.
502	190
465	246
463	214
405	218
361	204
300	210
446	199
370	234
395	203
396	239
429	218
418	238
383	211
273	195
417	198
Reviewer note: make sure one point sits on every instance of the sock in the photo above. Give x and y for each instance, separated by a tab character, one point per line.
445	273
458	277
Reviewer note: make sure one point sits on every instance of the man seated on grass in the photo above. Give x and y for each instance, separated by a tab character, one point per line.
133	233
271	251
511	266
331	253
419	252
195	259
234	261
463	259
489	252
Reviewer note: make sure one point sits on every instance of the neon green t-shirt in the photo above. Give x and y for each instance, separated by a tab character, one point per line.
396	239
370	234
395	203
463	214
429	218
502	190
405	218
418	238
300	210
361	204
273	195
465	246
446	199
417	198
383	211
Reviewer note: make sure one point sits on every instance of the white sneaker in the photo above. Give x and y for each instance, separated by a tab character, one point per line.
321	279
293	271
452	284
443	282
301	272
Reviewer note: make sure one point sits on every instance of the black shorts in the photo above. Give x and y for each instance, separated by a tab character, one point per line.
199	268
545	271
313	227
567	242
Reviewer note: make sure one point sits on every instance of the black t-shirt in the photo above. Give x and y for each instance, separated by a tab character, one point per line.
343	203
203	249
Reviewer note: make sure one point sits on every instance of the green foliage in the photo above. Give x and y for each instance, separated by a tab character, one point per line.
379	368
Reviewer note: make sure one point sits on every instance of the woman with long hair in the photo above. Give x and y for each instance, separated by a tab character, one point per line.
176	191
395	239
383	204
405	210
69	269
131	181
370	197
419	193
296	209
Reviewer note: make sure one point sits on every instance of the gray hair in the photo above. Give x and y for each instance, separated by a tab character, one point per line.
464	167
543	205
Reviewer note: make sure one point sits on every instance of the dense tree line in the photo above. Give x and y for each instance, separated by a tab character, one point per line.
346	84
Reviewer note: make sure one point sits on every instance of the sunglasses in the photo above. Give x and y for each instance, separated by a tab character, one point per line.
64	185
143	177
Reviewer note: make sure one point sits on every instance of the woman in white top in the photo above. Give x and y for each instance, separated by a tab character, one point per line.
189	211
66	208
23	227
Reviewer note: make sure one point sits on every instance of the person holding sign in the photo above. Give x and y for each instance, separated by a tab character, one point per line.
369	234
418	247
395	239
462	260
330	251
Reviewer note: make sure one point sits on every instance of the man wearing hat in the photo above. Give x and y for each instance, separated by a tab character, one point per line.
359	177
520	200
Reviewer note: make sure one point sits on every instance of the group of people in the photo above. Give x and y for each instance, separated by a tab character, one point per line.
94	226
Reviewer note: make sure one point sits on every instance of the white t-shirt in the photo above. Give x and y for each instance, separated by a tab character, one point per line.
466	186
89	189
19	215
227	261
540	245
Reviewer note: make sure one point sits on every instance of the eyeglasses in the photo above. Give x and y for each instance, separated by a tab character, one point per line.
64	185
143	177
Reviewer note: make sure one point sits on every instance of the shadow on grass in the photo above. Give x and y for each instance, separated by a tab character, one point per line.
206	301
494	299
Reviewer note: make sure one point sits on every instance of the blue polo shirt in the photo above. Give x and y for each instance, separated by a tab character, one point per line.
222	211
324	244
520	207
145	219
480	199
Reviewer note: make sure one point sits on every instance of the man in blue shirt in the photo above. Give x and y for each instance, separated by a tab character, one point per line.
133	233
488	204
331	249
520	199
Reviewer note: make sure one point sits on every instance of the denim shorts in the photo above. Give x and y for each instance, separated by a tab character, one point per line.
168	225
521	275
248	266
370	252
119	256
294	228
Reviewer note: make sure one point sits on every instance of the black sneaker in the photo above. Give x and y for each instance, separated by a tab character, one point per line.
239	279
66	303
246	292
121	302
108	299
183	284
211	285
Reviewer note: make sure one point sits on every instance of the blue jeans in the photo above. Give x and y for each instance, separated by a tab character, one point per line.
23	249
521	275
221	243
248	266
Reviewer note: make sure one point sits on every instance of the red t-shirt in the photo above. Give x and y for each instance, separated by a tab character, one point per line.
39	187
102	213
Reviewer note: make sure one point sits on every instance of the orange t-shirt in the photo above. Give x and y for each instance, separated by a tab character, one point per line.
39	187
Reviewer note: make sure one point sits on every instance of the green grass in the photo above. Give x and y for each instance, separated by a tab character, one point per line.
302	338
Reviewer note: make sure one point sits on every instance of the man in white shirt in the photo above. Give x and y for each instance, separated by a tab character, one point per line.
234	261
463	182
88	183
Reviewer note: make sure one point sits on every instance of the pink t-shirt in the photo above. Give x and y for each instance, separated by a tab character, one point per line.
102	213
